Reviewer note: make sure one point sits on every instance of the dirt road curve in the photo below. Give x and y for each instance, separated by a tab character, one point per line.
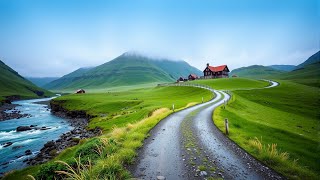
187	145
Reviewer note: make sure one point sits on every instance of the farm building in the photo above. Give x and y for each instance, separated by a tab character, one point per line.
192	77
216	72
80	91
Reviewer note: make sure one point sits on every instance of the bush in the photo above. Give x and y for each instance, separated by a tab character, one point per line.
47	171
89	150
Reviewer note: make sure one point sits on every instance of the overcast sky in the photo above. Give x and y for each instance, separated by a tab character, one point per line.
52	38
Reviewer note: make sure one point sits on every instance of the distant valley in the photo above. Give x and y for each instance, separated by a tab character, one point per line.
305	73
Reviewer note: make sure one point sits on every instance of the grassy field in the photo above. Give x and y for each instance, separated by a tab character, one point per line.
126	119
231	83
308	75
287	115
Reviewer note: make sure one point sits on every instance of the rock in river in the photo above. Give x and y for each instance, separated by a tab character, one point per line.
7	144
28	152
23	128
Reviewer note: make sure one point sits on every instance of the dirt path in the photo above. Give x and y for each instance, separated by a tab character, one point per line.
187	145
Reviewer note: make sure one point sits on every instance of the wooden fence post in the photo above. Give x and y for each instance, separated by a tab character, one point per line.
226	125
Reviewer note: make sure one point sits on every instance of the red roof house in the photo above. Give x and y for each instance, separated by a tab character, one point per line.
192	77
216	71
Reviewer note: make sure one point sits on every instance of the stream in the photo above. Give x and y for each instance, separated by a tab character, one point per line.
13	156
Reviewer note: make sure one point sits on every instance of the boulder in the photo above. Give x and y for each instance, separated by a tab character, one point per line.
49	144
44	128
28	152
7	144
23	128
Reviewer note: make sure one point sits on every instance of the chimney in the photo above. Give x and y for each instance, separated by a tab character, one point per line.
207	64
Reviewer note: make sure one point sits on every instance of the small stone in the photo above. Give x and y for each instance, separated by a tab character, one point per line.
203	173
161	178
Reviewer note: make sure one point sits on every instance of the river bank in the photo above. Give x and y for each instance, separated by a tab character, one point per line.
9	111
48	133
77	119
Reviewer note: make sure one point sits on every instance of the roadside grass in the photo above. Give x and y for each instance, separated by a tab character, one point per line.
231	83
106	156
285	120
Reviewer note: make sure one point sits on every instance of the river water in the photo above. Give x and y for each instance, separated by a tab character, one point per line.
12	157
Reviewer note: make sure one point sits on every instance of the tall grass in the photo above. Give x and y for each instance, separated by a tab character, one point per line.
270	152
279	160
114	150
80	172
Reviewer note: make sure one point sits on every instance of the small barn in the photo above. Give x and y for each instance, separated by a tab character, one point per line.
192	77
180	79
80	91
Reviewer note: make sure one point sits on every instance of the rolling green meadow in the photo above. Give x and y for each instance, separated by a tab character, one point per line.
286	116
126	118
231	83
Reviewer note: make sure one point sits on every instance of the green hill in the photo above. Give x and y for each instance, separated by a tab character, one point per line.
255	71
283	67
125	70
14	86
307	72
41	81
311	60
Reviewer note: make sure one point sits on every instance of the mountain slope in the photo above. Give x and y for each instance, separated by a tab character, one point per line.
14	86
307	72
283	67
311	60
255	71
125	70
41	81
177	68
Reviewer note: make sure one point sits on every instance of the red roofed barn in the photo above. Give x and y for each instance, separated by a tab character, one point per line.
216	72
192	77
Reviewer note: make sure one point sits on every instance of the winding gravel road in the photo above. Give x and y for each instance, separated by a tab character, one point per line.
187	145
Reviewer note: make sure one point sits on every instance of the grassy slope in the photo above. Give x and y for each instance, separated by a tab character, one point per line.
287	115
255	71
308	75
231	83
11	83
127	119
122	71
125	70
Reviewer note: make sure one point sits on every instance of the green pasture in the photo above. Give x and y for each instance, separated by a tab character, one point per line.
287	115
231	83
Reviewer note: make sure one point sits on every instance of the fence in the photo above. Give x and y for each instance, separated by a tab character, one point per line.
186	84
